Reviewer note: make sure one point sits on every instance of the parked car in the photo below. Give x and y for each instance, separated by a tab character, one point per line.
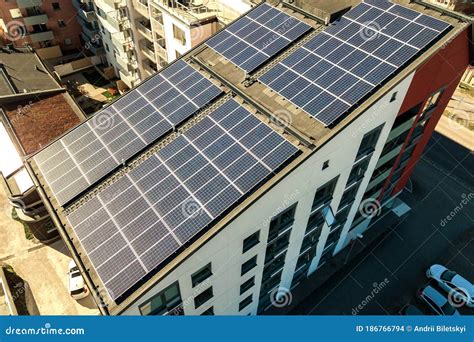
77	287
411	310
460	289
436	302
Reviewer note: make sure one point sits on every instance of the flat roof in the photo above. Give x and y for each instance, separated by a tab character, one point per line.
42	119
299	128
22	72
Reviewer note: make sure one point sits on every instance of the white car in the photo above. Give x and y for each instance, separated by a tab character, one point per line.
77	287
459	289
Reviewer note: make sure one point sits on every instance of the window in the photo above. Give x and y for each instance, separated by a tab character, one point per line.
281	222
251	241
203	297
208	312
316	220
433	100
15	13
408	115
248	265
201	275
394	97
67	41
325	165
277	246
247	285
275	266
61	23
56	6
179	34
324	193
349	195
246	302
358	171
369	142
270	284
163	302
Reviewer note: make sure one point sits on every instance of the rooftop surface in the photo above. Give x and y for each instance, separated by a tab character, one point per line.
42	120
23	72
298	128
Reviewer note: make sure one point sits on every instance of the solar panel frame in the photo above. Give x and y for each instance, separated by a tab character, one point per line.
358	50
142	215
124	129
253	39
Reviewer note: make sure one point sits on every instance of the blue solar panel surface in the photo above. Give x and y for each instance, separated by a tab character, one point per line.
120	131
135	224
256	37
336	69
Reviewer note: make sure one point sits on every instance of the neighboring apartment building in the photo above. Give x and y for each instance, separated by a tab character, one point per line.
40	24
247	165
34	110
166	30
464	6
142	36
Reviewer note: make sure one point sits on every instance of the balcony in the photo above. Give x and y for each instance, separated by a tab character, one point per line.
91	31
150	68
130	79
115	4
85	10
188	12
28	3
148	50
122	42
144	27
161	50
37	37
141	6
37	19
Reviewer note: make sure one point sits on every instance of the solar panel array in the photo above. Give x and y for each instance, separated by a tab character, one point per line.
117	133
335	70
135	224
256	37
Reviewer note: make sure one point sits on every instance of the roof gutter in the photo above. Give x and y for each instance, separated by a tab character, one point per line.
75	255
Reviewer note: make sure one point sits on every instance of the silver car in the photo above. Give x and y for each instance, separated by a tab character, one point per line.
459	289
438	303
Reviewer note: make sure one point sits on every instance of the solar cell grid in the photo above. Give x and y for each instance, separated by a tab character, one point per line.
120	131
150	212
352	57
253	39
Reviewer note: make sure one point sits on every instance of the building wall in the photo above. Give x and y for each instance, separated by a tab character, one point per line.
67	13
443	71
225	249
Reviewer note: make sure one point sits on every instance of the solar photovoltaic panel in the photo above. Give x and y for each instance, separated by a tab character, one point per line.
256	37
353	57
130	228
120	131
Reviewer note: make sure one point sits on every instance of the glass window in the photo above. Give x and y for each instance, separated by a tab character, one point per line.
163	302
433	101
201	275
247	285
358	171
246	302
324	194
203	297
56	6
251	241
248	265
369	142
281	222
277	246
208	312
